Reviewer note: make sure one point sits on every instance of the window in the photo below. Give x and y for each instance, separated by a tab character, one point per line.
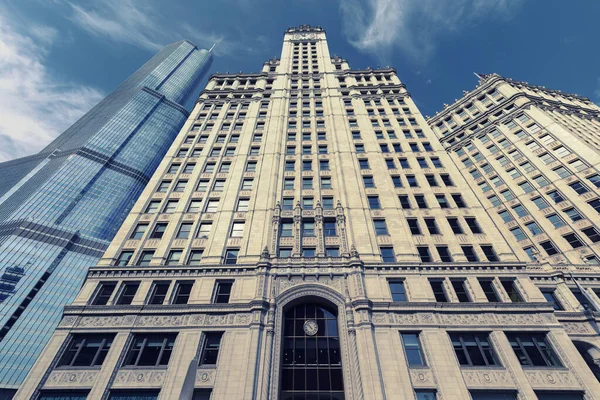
127	293
425	394
308	252
412	349
550	296
164	186
251	166
211	205
458	200
222	291
308	228
219	185
438	290
145	257
237	229
473	349
387	254
159	231
592	234
413	225
424	253
86	350
444	253
556	196
285	252
324	165
488	288
210	348
420	199
431	226
380	227
442	201
519	234
247	184
511	290
412	181
332	252
473	225
579	187
150	349
549	248
171	206
405	203
573	240
455	225
231	256
446	179
325	182
306	165
583	299
489	253
158	292
461	291
153	207
363	163
431	180
174	257
204	231
374	202
573	214
469	253
184	230
397	290
182	292
533	350
330	228
139	231
328	203
62	395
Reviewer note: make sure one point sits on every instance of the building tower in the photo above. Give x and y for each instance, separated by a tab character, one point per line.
60	209
307	236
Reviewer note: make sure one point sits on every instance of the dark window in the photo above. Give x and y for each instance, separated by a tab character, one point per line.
489	253
60	395
549	248
461	290
438	290
380	227
473	349
405	203
573	240
150	349
222	292
159	231
86	350
368	181
425	394
488	288
397	290
412	349
146	257
413	225
182	292
533	350
550	297
492	395
210	348
330	228
444	253
420	199
159	292
128	291
473	225
374	202
582	299
455	225
559	395
592	234
139	231
311	363
511	290
431	226
458	200
103	293
138	394
469	252
424	253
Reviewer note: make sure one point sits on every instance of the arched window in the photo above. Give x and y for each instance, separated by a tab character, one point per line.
311	361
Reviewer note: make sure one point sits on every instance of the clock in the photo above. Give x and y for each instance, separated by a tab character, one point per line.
310	327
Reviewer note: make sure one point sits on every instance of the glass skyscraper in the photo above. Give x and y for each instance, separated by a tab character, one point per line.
60	208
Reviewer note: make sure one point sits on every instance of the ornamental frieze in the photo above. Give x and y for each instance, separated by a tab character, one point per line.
552	379
491	378
71	379
205	377
139	378
481	319
421	377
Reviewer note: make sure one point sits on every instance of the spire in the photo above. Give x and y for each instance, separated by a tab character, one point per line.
211	49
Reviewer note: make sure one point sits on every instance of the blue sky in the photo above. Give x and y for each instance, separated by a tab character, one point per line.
58	58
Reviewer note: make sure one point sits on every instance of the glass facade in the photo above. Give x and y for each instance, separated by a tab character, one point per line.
60	209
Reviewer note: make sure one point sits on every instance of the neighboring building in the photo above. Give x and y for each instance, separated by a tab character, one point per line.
60	209
307	236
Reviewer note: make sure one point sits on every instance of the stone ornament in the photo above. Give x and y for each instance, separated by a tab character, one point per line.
310	327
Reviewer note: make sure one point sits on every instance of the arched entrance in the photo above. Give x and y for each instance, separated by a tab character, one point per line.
311	362
591	355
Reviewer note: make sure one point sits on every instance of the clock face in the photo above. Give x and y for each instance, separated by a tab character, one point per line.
310	327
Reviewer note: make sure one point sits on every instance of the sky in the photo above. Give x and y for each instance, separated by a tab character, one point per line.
59	58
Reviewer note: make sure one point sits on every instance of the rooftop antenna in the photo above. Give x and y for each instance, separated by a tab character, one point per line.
211	49
477	75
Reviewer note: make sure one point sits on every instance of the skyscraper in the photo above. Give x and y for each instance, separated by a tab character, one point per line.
60	208
307	236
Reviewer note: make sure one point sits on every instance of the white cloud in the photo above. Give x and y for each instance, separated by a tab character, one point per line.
34	106
138	23
413	26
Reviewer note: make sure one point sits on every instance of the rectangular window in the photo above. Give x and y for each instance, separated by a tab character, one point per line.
444	253
184	230
237	229
425	394
412	181
145	257
308	228
210	348
469	253
413	225
492	395
455	225
573	240
550	296
437	285
330	228
461	290
489	253
158	292
458	200
182	292
397	290
424	253
204	230
488	288
159	231
211	205
473	225
511	290
222	292
103	293
153	207
412	349
374	202
150	349
533	349
387	254
325	182
473	349
63	395
86	350
420	199
127	293
549	248
174	257
380	227
405	202
231	256
431	226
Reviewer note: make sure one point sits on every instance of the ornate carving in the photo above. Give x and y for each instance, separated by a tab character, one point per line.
162	320
129	378
205	377
421	377
556	379
106	321
71	378
488	378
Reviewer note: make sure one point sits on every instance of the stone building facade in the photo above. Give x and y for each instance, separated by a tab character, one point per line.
308	236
